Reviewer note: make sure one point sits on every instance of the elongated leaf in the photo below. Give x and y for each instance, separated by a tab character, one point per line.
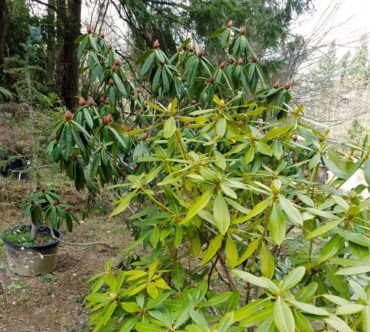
277	225
123	203
198	205
267	262
291	211
309	308
169	127
293	277
231	253
283	317
257	281
259	208
338	324
323	229
213	247
221	214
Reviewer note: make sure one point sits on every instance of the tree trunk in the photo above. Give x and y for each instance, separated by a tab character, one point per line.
68	30
4	24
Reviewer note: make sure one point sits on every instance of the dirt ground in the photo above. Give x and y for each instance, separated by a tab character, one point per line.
55	302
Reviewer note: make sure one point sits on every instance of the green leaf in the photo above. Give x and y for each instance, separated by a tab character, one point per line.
249	309
354	270
349	309
225	322
367	171
197	206
221	214
263	148
221	126
276	132
277	225
337	171
119	84
309	308
302	323
323	229
130	307
123	203
257	281
146	327
178	276
291	211
213	247
283	317
267	262
259	208
338	324
231	253
293	277
249	155
169	127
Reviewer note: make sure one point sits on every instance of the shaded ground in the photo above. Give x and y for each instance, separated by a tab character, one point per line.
55	302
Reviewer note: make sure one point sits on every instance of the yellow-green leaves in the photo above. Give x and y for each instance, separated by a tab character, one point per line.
267	262
123	203
197	206
231	253
291	211
277	225
283	317
259	208
293	277
212	249
169	127
221	214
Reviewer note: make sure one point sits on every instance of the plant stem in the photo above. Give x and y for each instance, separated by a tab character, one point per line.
230	279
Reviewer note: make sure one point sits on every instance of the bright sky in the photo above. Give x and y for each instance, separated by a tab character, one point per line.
344	21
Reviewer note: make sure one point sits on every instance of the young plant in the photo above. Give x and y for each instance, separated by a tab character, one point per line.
238	233
45	208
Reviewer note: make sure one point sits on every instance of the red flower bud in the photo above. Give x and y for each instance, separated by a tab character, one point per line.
145	136
107	119
254	59
306	173
295	137
242	31
110	46
114	68
240	61
288	84
89	29
156	44
230	24
294	159
102	35
81	101
194	102
223	65
110	82
200	53
211	79
67	115
106	101
56	136
277	84
90	102
42	188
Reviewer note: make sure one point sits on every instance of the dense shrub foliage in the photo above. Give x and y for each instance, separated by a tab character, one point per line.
232	228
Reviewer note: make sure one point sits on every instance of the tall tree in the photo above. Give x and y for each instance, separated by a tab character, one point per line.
4	25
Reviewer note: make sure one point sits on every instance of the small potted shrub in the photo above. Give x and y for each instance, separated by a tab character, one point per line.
32	249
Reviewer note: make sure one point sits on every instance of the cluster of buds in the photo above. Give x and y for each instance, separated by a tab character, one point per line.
107	119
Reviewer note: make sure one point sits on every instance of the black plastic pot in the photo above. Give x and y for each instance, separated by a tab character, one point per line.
32	260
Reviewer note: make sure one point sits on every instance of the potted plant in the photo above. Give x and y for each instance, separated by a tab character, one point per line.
32	249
